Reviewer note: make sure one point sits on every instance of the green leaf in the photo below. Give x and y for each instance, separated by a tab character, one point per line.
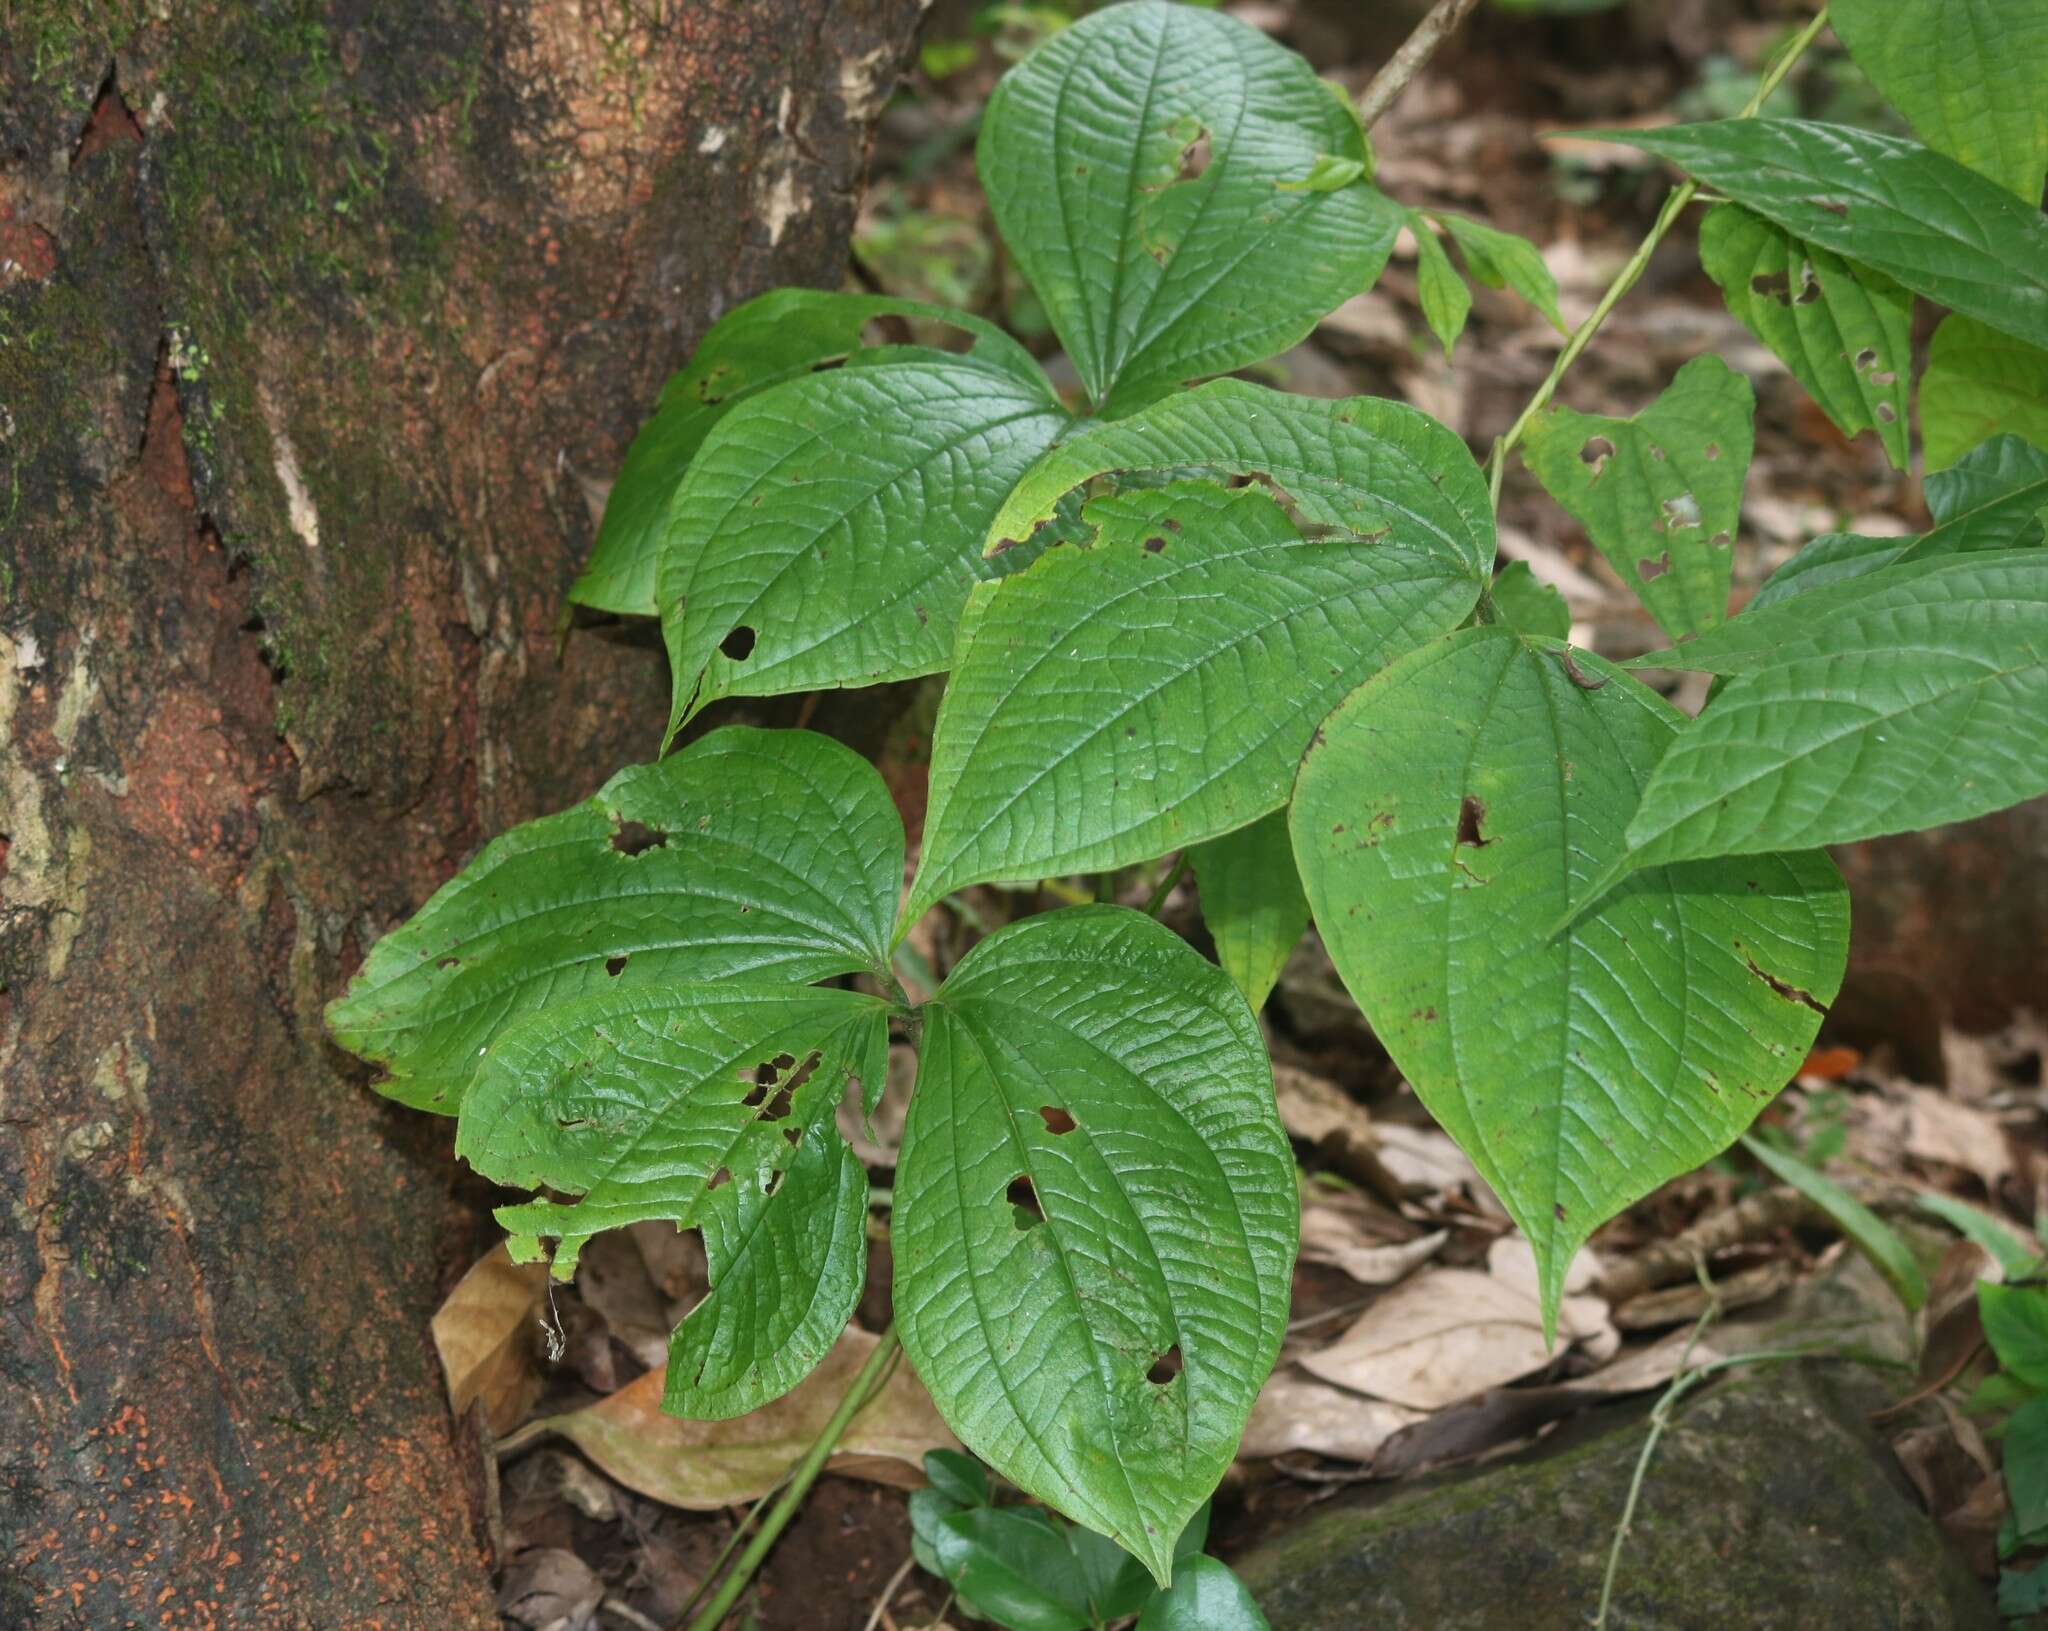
960	1478
2023	1591
767	855
1918	217
2025	1452
1967	74
826	533
1504	260
1844	331
786	1253
1012	1564
1457	801
1326	175
1205	1596
1528	606
1092	1066
1156	688
2016	1325
1868	1232
2012	1254
1446	302
1991	498
1114	1584
1136	164
637	1101
1904	698
1658	494
780	335
1363	465
1252	902
1980	384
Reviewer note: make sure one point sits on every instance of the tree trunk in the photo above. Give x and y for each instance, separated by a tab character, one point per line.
322	323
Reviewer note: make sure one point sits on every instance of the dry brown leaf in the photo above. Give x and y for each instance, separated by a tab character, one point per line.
485	1335
550	1589
703	1465
1425	1158
1939	1129
615	1283
1331	1234
1450	1333
1296	1413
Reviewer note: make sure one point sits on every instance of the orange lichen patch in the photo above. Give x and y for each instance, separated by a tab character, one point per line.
26	250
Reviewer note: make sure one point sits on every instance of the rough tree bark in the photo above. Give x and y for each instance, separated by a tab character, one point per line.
318	321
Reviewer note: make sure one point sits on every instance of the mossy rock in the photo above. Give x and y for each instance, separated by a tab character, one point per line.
1770	1504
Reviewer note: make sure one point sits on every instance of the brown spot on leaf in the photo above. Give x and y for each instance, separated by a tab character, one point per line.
1471	816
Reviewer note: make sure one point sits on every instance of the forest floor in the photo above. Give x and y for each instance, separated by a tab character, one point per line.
605	1513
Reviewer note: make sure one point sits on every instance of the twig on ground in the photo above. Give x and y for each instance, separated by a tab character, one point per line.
881	1608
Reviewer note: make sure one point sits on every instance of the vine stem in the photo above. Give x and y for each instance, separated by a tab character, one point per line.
1624	280
1437	26
864	1388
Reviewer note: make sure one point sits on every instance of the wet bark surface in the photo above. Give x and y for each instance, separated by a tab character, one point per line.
322	324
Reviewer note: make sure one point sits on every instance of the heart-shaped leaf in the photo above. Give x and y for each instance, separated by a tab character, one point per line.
783	334
1157	687
1161	175
1658	494
1845	331
765	854
829	529
1918	217
1455	804
647	1103
786	1252
1906	697
1095	1218
1367	467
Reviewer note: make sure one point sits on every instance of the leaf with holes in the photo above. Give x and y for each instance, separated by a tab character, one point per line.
1918	217
696	1105
1658	494
1364	466
1446	302
1252	902
1980	384
827	532
1845	331
786	1252
1905	698
1502	260
1156	687
770	855
1994	497
1095	1218
1967	74
1145	167
783	334
1457	802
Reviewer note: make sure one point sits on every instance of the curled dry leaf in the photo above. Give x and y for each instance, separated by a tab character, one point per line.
703	1465
1685	1302
1333	1235
485	1334
550	1589
1450	1333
